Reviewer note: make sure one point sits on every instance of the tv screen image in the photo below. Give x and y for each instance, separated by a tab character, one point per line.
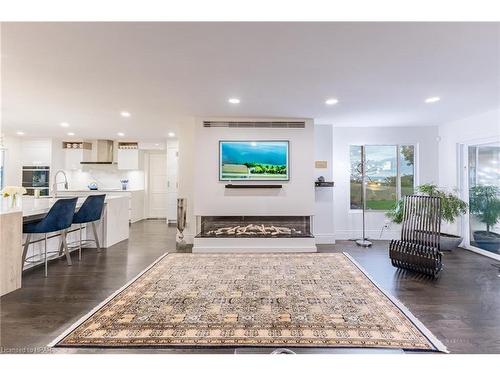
253	160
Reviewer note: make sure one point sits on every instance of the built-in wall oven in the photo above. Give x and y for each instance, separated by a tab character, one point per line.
36	177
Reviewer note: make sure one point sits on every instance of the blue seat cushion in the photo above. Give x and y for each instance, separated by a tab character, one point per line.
59	217
91	209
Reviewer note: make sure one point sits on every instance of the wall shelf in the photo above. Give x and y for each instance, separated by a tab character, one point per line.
232	186
323	183
67	145
128	146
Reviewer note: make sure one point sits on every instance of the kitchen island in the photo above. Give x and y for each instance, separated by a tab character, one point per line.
136	199
111	229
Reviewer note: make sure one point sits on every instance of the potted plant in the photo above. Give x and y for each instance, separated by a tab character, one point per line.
452	207
485	204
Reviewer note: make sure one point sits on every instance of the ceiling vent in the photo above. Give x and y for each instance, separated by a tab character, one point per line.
255	124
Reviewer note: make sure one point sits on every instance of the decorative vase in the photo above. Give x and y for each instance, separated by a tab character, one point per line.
14	201
181	222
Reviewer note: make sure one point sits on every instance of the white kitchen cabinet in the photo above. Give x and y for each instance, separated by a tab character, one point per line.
136	205
36	152
128	159
73	158
151	146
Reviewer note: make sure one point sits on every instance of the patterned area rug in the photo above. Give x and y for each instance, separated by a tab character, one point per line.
221	300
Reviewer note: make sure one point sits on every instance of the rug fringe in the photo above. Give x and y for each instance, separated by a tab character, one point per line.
94	310
422	328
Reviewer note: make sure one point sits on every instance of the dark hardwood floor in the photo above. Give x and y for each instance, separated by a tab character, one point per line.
461	307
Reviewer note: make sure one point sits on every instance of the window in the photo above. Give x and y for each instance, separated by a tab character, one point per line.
389	175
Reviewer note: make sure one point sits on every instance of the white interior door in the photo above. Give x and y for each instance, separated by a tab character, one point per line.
172	184
158	185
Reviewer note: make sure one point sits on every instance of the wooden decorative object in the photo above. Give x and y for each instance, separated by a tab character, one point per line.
321	164
418	250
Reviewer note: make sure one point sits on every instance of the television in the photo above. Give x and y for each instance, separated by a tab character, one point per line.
254	161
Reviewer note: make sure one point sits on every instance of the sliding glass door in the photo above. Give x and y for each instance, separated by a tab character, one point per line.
483	181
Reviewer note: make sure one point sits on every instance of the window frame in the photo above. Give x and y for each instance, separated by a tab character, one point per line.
2	167
398	169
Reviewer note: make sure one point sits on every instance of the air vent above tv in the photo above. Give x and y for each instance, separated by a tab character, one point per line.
255	124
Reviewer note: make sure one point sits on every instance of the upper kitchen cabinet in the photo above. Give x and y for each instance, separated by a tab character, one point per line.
36	152
75	153
129	156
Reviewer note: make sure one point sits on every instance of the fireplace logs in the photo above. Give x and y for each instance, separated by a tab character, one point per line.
254	226
254	230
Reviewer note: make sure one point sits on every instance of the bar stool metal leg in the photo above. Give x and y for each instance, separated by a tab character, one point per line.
66	250
61	246
25	250
45	253
94	229
80	245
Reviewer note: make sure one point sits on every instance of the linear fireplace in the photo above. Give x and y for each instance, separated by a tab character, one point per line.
254	234
255	226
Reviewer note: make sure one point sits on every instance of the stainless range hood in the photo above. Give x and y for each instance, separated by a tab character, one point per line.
104	148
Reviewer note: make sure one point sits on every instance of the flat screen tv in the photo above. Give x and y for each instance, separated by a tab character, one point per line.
253	161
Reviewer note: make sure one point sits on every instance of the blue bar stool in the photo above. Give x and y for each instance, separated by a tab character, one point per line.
59	218
89	212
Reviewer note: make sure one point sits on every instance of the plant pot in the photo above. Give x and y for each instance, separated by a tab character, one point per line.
487	240
449	242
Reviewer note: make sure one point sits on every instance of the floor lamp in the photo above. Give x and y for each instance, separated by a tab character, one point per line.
363	242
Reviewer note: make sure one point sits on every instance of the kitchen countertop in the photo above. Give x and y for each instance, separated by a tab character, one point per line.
33	207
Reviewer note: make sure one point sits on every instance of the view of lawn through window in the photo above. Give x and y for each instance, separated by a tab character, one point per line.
390	174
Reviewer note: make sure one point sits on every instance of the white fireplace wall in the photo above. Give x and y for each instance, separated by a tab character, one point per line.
296	198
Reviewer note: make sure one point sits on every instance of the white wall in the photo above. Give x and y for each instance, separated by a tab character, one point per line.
348	222
13	163
324	206
479	128
199	177
296	198
186	174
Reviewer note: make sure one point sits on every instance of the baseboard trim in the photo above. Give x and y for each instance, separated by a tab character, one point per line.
324	238
371	234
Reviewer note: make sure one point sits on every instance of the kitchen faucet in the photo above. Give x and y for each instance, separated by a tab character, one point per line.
54	186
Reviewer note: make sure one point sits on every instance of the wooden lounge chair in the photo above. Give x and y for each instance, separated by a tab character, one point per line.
418	248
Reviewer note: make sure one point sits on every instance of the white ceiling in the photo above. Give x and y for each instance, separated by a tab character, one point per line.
164	73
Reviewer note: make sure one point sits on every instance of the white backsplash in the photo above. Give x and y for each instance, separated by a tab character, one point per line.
106	177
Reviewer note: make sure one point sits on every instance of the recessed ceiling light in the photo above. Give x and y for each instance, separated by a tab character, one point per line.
331	101
171	134
64	124
234	101
20	133
71	134
433	99
125	114
120	134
